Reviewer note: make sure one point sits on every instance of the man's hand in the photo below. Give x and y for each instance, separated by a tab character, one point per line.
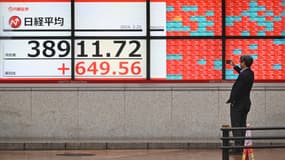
232	102
233	63
228	101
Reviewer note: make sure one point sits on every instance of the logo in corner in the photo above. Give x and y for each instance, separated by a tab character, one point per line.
15	22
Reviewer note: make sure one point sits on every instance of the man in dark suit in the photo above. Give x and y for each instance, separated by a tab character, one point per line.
240	98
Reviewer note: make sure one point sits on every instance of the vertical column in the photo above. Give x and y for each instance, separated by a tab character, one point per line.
223	39
148	44
72	38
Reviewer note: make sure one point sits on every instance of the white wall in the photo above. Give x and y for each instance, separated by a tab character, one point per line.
128	112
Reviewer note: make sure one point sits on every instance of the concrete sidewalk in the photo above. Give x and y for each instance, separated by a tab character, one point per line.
268	154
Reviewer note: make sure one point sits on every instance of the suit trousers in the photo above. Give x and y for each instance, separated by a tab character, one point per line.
239	113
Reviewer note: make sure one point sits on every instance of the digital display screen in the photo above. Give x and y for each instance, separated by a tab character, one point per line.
86	40
35	59
187	59
35	18
268	55
110	18
194	18
255	17
110	59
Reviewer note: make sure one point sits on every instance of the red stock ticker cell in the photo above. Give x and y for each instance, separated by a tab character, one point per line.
199	59
269	57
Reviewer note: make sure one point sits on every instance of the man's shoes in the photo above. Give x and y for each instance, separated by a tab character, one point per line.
236	152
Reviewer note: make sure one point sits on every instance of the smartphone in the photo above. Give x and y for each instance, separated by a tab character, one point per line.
228	61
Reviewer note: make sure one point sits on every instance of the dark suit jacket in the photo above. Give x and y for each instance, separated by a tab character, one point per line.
241	89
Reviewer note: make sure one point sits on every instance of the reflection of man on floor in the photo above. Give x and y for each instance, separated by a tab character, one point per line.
240	97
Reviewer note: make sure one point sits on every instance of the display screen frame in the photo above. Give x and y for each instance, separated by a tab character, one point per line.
148	38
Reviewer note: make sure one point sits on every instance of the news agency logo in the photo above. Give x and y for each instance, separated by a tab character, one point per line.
15	22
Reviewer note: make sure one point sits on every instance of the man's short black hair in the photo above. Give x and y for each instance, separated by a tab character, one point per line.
247	59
